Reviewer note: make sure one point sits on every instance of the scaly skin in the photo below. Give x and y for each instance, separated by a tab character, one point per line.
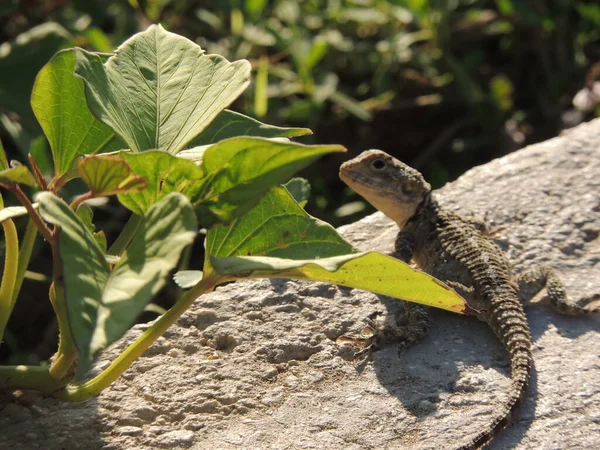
455	251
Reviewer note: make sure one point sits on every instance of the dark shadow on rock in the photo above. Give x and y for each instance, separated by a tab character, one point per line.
32	421
421	373
542	316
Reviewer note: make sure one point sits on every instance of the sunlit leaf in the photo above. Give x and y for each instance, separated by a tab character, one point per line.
159	90
278	239
277	226
372	271
109	175
230	124
10	212
240	170
17	174
187	278
103	304
58	101
165	173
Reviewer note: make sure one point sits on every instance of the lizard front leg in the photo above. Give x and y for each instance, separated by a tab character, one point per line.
415	323
534	280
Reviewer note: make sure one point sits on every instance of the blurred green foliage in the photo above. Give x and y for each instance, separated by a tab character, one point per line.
443	85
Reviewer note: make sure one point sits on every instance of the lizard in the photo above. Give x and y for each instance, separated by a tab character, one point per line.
458	251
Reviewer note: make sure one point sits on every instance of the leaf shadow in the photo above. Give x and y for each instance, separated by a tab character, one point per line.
38	422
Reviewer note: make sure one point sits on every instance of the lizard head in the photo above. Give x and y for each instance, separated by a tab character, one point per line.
389	185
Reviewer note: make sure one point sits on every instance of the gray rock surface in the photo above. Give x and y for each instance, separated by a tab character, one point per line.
255	365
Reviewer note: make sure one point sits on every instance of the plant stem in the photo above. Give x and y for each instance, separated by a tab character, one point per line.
123	240
33	214
67	351
111	373
24	256
80	199
29	377
9	277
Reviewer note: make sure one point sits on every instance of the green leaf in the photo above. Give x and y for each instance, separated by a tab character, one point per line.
86	215
165	173
186	279
371	271
278	239
58	101
10	212
109	175
17	174
230	124
277	226
299	189
102	305
21	60
3	160
159	90
240	170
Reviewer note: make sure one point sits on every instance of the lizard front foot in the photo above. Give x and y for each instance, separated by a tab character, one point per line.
378	335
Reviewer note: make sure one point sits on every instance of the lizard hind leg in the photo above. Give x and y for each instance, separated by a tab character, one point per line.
534	280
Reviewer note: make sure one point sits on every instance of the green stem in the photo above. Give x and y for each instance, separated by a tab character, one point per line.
80	199
24	256
29	377
111	373
33	214
67	352
126	235
9	277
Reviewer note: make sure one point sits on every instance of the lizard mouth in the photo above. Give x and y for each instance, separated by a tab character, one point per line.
364	182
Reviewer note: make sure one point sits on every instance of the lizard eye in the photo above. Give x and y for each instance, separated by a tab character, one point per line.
378	165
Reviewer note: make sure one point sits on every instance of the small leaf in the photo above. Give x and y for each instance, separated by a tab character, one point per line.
109	175
10	212
230	124
371	271
186	279
159	90
165	173
58	101
17	174
3	160
299	189
240	170
101	304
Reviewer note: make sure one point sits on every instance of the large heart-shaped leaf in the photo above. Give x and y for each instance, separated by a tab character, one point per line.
159	90
58	101
278	239
101	304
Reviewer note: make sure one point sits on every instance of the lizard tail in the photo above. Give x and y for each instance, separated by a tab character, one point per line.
510	325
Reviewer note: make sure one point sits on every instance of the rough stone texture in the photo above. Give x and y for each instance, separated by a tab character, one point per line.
255	365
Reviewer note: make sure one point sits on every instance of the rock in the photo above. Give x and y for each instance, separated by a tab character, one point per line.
255	364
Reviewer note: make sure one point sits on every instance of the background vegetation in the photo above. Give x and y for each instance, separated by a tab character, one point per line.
442	85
